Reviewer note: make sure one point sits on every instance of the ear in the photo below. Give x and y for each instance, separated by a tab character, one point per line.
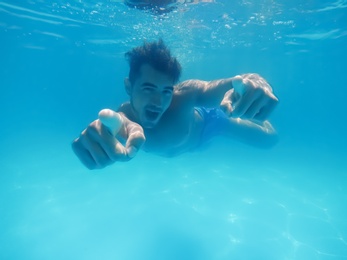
127	85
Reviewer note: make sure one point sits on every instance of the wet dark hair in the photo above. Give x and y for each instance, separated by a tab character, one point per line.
155	54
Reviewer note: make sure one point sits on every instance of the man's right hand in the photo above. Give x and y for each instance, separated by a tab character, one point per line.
97	146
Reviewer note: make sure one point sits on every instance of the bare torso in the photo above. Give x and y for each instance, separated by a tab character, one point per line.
176	133
179	129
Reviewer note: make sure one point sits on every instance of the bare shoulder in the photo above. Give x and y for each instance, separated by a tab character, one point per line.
190	86
185	94
126	110
189	91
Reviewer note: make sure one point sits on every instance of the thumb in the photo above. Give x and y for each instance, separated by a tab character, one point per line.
111	119
226	107
135	140
239	85
227	103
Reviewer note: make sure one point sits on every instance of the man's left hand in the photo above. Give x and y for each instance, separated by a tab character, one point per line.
251	98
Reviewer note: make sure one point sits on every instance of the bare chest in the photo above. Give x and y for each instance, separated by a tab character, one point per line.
175	134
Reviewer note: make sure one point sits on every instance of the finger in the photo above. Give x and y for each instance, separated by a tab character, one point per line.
109	145
116	151
83	155
226	104
226	107
258	81
254	108
265	112
270	94
238	85
91	142
245	102
135	140
112	120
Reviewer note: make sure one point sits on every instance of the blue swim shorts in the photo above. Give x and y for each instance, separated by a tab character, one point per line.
215	122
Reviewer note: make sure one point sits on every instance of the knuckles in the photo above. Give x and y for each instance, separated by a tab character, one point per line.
93	129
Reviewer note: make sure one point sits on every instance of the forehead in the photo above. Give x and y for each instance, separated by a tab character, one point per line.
150	75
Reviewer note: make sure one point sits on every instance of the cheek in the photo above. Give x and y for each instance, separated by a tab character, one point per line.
138	101
167	101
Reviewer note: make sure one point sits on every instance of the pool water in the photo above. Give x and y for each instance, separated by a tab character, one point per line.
61	62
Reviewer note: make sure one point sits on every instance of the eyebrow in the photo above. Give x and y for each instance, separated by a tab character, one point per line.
148	84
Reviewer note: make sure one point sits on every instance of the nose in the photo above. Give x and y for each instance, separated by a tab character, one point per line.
157	99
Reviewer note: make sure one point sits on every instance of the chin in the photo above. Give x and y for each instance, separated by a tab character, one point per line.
148	124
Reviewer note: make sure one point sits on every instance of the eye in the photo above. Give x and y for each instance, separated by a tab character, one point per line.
167	92
147	89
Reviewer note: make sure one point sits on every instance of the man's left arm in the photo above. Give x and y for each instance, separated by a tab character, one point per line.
247	96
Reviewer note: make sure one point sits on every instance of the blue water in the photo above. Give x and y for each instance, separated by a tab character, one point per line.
61	62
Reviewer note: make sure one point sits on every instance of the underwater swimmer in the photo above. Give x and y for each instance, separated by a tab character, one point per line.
168	118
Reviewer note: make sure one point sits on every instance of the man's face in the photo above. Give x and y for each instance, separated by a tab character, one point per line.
150	95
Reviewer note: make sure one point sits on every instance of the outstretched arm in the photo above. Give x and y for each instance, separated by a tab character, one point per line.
260	135
247	96
205	93
99	144
247	100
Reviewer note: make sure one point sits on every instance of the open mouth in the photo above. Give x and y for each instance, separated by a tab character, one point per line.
152	115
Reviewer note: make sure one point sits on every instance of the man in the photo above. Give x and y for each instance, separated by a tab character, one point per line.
169	119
